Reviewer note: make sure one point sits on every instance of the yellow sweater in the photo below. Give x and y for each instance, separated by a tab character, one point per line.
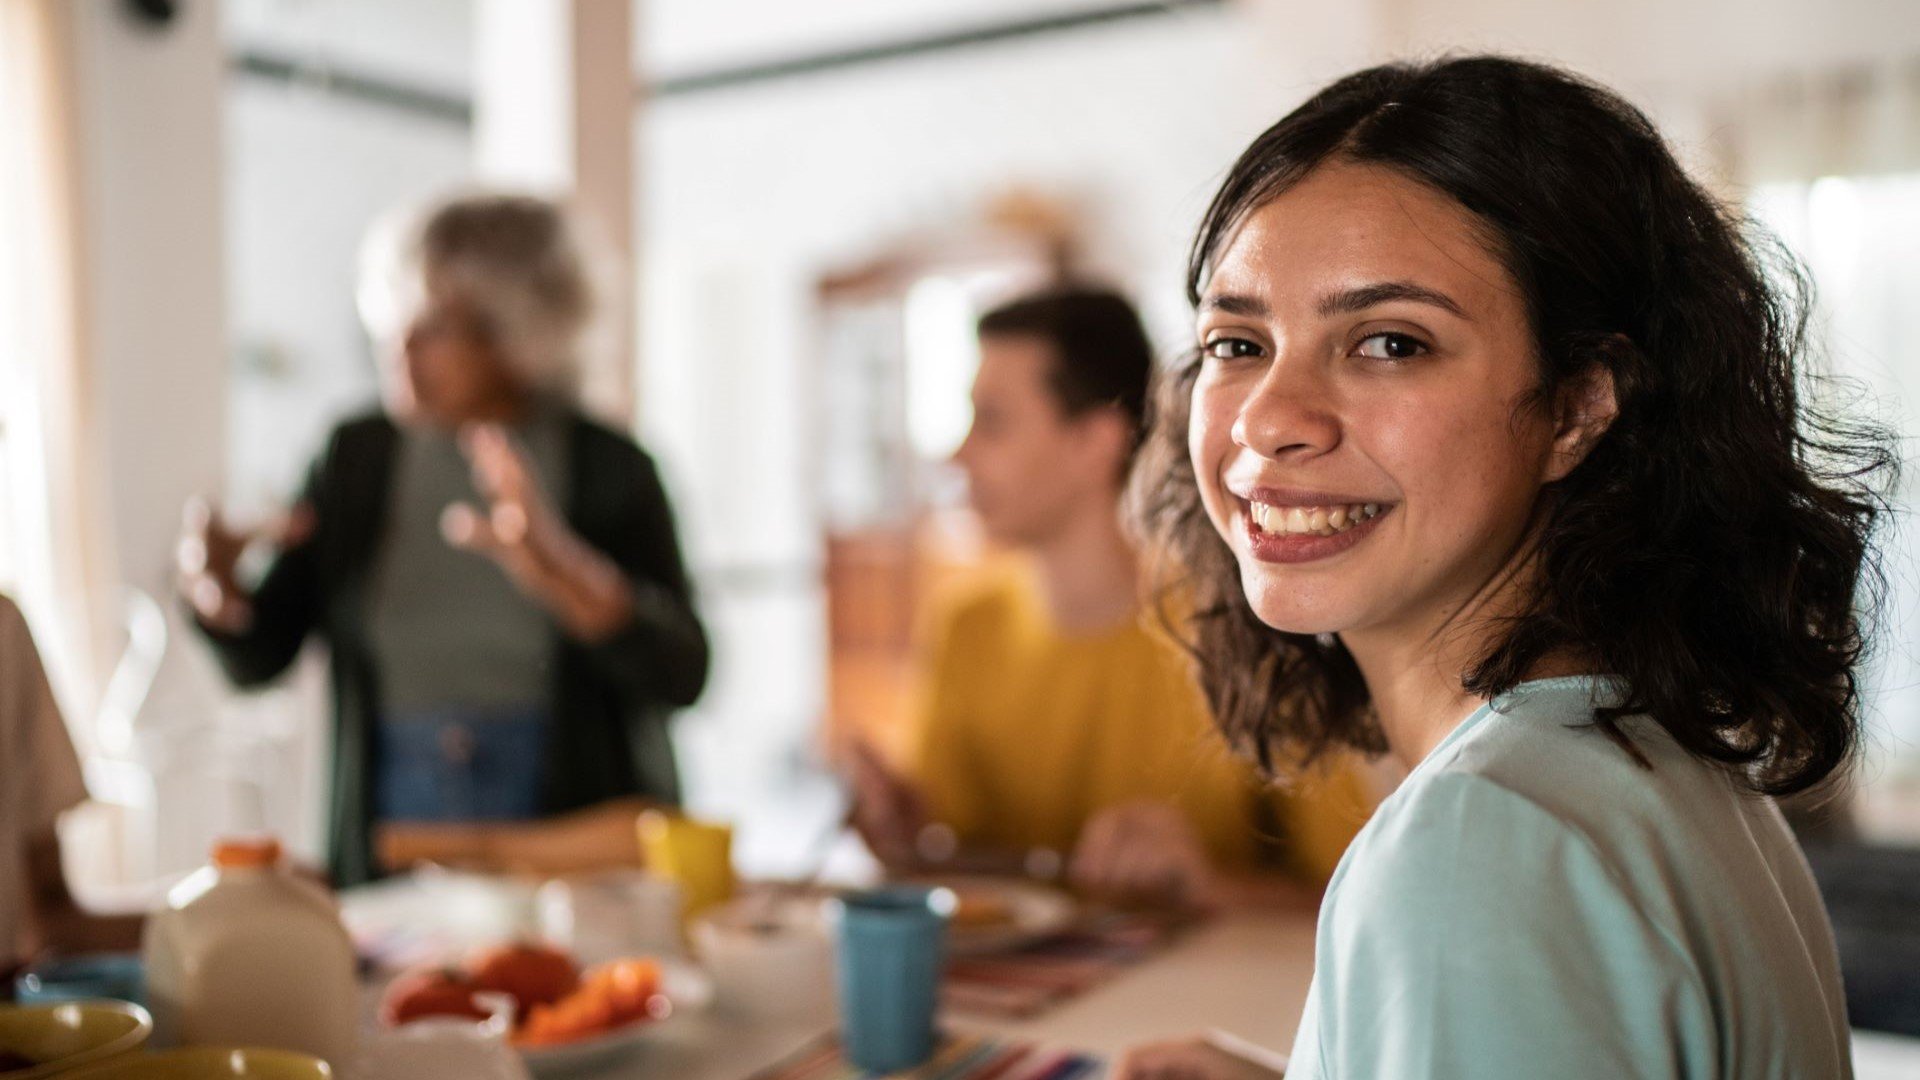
1028	732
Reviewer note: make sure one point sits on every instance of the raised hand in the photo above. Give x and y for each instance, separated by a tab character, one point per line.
207	558
516	508
519	529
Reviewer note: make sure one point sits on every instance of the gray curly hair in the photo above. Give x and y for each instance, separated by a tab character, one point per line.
518	261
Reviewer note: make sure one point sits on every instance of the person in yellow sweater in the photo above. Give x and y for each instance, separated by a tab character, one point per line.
1056	720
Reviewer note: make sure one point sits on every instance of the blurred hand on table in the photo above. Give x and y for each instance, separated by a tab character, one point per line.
1148	853
1144	852
1141	852
889	811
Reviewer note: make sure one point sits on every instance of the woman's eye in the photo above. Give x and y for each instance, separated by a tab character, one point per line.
1230	348
1390	346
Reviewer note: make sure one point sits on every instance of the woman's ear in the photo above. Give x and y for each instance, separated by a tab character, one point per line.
1585	409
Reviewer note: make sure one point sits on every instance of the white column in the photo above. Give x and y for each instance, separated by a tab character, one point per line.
554	113
149	111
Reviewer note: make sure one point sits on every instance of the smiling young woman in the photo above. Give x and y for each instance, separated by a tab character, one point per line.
1494	456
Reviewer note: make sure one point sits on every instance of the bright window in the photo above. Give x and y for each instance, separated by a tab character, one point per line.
1857	236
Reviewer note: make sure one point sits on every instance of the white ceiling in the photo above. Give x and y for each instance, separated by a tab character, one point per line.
430	42
684	35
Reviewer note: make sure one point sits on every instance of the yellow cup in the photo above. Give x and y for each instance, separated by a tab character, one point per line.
697	854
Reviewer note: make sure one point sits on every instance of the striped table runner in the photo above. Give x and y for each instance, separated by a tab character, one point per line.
962	1057
1022	983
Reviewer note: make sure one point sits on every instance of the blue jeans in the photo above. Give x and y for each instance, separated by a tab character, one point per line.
460	764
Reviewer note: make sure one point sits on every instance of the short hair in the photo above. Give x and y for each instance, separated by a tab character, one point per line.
517	260
1101	356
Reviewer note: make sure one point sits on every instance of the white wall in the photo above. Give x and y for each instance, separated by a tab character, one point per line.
307	176
307	172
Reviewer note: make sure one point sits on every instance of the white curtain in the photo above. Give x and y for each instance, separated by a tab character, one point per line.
1830	163
57	544
1853	121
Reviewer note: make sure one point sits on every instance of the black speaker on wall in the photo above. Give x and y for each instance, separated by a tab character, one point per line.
152	14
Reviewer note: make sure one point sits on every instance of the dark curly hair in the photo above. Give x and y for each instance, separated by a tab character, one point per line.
1713	548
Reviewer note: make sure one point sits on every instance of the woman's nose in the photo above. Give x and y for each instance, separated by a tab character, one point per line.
1289	412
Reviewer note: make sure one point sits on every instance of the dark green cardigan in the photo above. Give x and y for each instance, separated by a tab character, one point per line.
611	700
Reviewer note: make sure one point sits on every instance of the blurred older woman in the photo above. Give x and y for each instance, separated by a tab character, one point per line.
496	576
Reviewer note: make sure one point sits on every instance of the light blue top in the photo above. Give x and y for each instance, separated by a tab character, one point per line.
1532	903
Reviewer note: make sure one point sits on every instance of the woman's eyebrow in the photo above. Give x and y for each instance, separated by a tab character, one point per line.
1359	298
1346	301
1234	304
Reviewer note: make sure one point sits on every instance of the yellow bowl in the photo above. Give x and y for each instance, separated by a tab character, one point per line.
70	1034
208	1063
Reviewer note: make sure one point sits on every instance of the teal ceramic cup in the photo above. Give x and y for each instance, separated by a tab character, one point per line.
891	945
120	976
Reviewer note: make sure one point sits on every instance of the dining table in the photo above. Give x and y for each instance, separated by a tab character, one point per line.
1243	974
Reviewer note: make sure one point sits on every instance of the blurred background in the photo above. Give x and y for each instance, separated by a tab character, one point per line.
808	205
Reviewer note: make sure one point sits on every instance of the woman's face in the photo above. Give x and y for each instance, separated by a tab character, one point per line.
445	370
1362	427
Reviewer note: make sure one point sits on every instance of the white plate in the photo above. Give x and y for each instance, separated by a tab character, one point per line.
443	1048
687	989
1034	912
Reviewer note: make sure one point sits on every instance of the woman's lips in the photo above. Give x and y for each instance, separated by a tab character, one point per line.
1300	547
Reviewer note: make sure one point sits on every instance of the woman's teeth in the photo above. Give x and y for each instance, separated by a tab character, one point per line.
1311	520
